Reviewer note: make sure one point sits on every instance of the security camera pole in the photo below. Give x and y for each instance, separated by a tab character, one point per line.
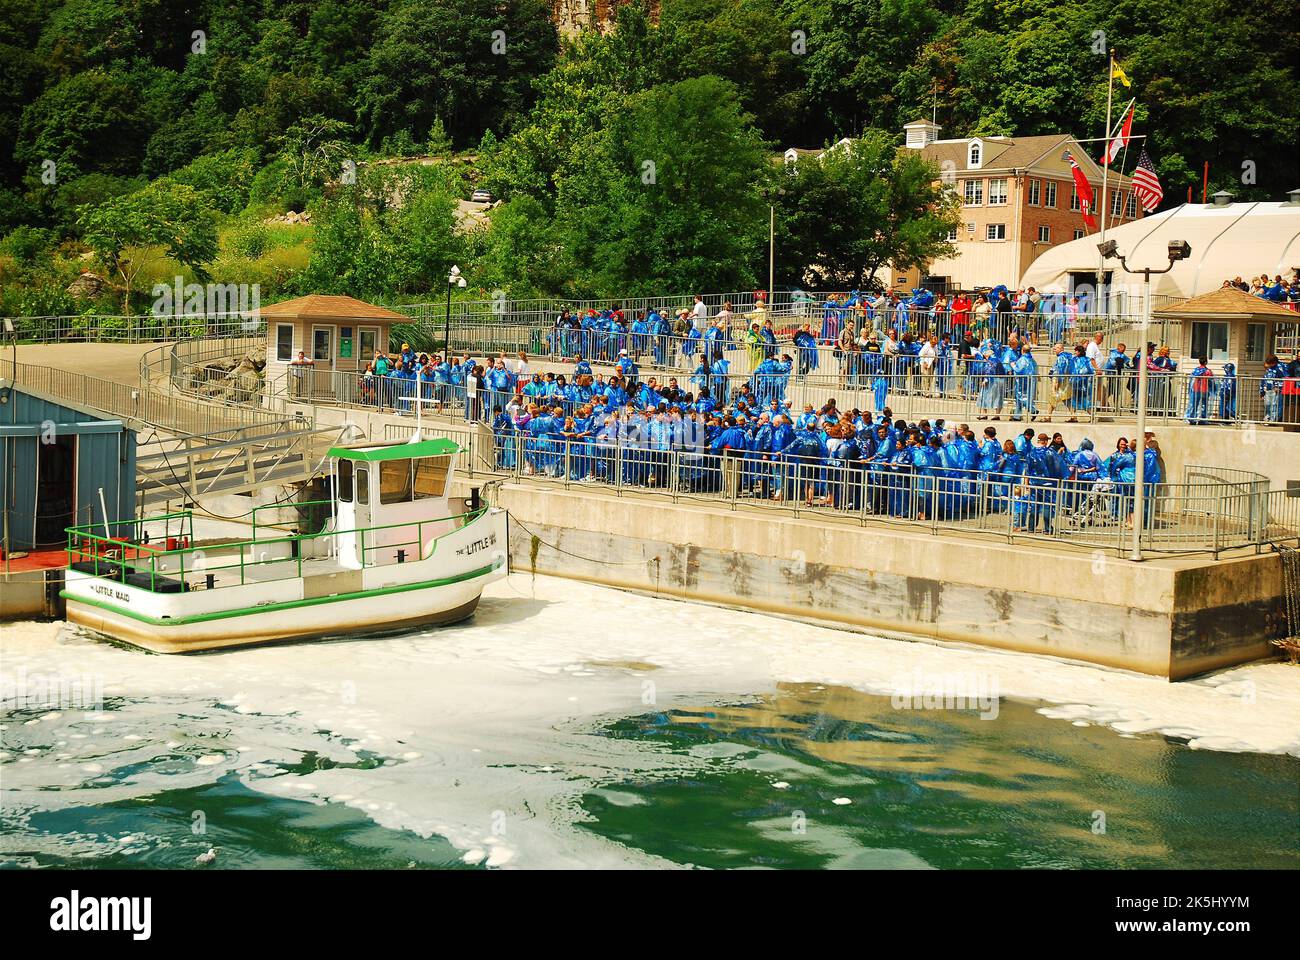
1178	250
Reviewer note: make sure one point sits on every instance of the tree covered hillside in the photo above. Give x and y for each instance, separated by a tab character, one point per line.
629	161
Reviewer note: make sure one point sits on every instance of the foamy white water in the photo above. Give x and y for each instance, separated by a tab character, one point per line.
482	731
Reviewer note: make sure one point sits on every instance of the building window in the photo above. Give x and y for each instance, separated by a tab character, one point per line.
1034	189
996	231
1049	194
1210	340
1044	233
976	155
1131	207
997	192
1074	199
1116	203
284	341
1256	334
974	193
952	235
1079	234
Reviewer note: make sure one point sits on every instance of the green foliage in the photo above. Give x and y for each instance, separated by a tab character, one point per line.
221	179
444	59
522	252
670	197
27	244
860	207
84	124
283	94
252	241
164	219
393	231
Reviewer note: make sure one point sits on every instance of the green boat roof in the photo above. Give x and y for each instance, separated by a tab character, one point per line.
438	447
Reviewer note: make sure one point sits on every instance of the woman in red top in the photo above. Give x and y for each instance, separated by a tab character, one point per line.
960	314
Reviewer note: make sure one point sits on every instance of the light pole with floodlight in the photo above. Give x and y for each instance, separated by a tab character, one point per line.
454	279
1178	250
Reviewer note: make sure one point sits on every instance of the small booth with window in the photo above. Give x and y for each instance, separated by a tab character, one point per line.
391	498
1229	326
336	337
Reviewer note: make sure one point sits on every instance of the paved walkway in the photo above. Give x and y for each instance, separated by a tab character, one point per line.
119	362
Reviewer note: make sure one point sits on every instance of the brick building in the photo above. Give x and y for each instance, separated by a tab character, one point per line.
1018	201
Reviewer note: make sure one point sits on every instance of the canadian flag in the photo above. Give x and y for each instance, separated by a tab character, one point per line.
1121	141
1084	189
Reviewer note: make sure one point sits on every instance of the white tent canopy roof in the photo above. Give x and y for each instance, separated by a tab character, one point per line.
1236	240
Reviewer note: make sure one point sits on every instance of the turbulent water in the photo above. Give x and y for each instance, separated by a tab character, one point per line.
568	725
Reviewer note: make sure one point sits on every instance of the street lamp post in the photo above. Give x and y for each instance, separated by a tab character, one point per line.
1178	250
454	279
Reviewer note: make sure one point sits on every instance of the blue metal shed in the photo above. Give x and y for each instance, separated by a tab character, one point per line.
54	460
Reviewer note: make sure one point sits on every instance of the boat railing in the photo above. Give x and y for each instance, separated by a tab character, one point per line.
162	566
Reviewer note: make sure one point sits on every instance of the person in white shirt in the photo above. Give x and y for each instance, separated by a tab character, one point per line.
1097	359
701	315
928	354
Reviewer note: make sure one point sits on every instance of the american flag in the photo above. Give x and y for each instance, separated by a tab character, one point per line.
1146	184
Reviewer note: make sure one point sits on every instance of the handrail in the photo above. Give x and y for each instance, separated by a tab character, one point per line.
77	550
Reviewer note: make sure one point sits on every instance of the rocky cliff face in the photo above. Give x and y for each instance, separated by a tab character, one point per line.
575	16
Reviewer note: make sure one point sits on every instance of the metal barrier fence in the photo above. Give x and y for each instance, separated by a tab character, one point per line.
950	390
134	329
1197	516
191	367
143	403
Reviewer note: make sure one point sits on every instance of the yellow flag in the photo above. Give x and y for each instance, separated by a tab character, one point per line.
1118	73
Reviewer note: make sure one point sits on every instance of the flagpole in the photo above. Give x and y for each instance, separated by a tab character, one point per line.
1105	171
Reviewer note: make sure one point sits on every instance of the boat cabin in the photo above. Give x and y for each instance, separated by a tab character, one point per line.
390	500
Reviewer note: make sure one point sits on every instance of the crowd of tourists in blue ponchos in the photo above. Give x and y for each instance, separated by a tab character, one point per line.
657	435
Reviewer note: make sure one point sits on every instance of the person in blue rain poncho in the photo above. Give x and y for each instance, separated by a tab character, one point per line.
783	436
1025	384
1121	468
1082	374
659	331
757	478
1008	490
989	377
1086	469
1043	473
503	439
1228	393
844	467
1270	387
804	459
806	350
931	476
1200	386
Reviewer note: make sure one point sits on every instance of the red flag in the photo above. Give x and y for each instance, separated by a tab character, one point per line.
1121	141
1084	189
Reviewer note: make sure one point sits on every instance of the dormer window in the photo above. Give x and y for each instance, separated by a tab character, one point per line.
976	156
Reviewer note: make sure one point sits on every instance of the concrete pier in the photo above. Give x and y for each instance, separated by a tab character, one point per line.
1168	617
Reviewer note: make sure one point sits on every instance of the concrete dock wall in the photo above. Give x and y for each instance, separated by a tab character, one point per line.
1170	617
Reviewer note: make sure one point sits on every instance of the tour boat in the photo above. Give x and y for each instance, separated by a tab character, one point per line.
390	553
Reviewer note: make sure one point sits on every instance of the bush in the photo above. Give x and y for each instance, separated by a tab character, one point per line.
250	241
222	178
28	244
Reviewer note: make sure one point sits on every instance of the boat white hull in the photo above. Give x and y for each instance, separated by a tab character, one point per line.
443	588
